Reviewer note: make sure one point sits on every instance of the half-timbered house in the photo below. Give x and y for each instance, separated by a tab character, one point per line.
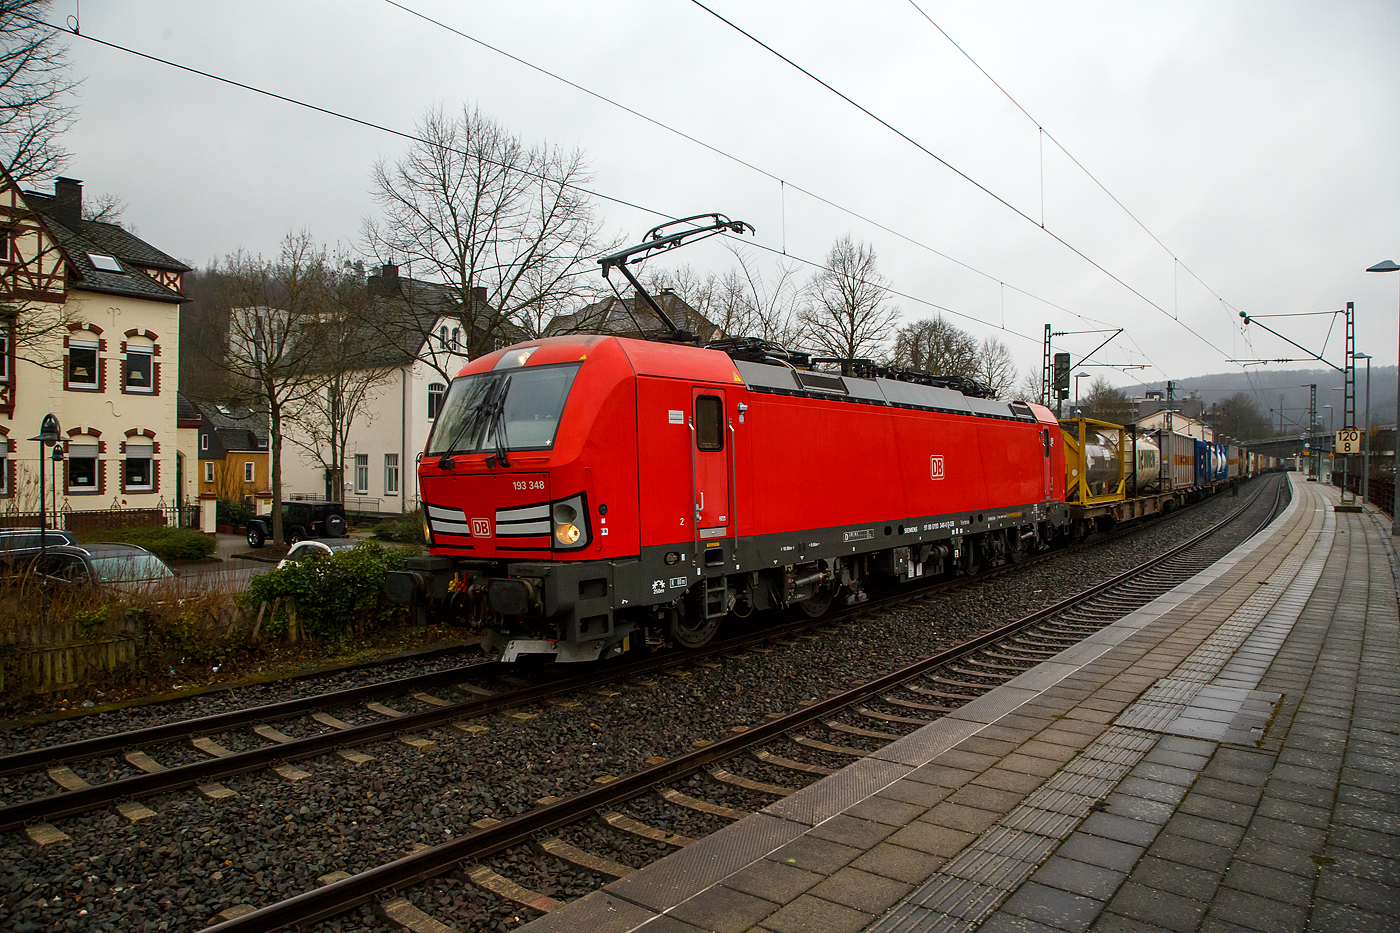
90	320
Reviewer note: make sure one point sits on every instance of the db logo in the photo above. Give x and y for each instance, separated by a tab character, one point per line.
936	467
481	528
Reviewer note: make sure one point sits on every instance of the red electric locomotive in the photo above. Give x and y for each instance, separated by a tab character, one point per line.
585	493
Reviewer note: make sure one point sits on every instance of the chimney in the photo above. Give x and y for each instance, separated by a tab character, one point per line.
68	202
385	282
478	296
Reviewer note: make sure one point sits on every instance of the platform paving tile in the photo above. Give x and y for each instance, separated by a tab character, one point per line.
1176	878
1079	877
1380	821
941	776
1279	832
985	798
955	816
773	881
1300	793
1040	822
1096	850
1359	864
1332	917
809	913
935	840
965	760
1150	789
1207	830
1170	846
1269	882
916	792
852	831
887	810
900	863
1291	811
957	897
1256	912
1121	828
1136	808
812	854
1163	908
1283	858
723	910
1206	806
870	893
1358	892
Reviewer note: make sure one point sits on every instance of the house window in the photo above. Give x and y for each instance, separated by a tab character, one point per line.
137	469
442	336
82	365
435	393
82	467
247	471
361	474
138	370
209	471
4	355
391	474
4	472
456	338
204	442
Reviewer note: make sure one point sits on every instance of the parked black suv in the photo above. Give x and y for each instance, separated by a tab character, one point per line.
300	520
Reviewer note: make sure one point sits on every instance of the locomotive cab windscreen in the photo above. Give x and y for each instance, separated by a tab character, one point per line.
504	410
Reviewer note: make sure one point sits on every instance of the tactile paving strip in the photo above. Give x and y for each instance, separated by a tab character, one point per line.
1004	856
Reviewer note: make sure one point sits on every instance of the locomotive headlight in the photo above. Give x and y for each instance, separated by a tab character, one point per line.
569	518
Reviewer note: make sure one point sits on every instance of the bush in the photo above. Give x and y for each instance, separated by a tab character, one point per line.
331	595
407	528
229	512
165	542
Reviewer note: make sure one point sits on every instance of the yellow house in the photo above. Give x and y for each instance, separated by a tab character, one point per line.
233	454
91	321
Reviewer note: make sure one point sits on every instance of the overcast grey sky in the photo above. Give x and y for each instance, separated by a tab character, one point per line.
1257	140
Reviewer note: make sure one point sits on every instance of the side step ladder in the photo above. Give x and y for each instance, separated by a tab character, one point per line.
716	597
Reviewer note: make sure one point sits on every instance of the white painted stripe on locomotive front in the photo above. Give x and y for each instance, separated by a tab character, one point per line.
523	514
520	529
452	528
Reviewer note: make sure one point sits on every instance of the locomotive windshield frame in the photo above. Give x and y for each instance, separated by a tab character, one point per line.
527	415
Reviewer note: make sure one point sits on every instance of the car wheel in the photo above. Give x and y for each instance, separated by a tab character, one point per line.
335	526
295	535
256	538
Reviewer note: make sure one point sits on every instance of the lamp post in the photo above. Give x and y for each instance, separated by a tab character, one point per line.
49	436
1389	265
1329	445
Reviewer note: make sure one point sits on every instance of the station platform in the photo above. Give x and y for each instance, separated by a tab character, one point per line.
1225	758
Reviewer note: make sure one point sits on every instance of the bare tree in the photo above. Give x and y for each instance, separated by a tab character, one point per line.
995	367
34	91
471	207
846	313
937	346
1105	403
272	306
1029	388
345	377
772	301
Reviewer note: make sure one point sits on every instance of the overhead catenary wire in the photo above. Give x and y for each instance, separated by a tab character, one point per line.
783	183
960	173
412	137
1046	134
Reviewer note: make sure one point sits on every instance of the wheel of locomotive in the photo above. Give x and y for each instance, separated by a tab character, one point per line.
1015	547
819	602
691	629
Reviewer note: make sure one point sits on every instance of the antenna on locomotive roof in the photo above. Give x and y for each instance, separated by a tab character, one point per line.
657	240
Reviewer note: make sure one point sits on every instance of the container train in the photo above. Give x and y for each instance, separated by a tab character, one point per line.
585	495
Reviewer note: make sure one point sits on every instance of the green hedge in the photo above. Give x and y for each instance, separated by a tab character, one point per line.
164	541
406	529
229	512
333	595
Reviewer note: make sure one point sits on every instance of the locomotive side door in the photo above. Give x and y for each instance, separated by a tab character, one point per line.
710	463
1049	473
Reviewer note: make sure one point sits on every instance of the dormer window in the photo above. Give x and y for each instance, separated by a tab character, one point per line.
105	263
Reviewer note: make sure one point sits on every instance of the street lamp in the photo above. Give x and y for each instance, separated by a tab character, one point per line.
49	436
1390	266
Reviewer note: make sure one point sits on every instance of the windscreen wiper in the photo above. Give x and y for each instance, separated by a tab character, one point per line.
470	423
497	425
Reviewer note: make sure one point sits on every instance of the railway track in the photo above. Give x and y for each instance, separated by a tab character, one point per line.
261	737
886	706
